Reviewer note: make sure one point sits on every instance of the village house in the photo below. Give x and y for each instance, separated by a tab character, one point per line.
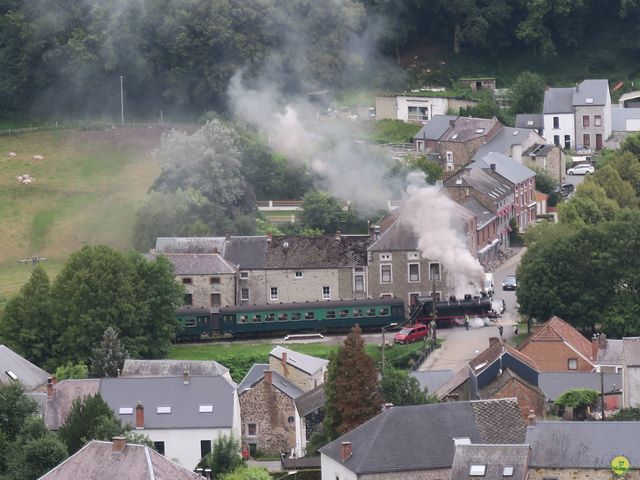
554	384
487	227
534	121
55	404
418	107
173	368
521	179
384	447
98	460
15	368
491	462
609	356
304	371
558	347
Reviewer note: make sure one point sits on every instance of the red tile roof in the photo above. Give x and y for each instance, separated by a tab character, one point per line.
557	330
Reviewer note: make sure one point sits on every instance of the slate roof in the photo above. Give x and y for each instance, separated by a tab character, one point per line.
255	373
310	401
554	384
29	375
184	400
306	363
483	216
557	330
317	251
610	352
538	150
189	244
96	461
631	351
249	252
381	444
466	129
65	392
172	368
598	90
502	141
200	264
285	386
523	120
398	237
495	458
619	117
558	100
499	420
507	167
432	379
481	181
435	128
583	444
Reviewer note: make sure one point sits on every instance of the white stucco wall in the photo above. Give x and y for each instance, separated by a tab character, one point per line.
332	470
183	444
436	106
567	127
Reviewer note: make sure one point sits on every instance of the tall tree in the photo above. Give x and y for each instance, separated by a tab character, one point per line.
400	388
322	211
527	93
352	392
224	458
108	359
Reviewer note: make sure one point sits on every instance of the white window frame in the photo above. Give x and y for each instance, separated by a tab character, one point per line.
326	296
409	272
298	274
205	408
271	295
364	285
248	294
386	295
449	157
385	257
412	293
390	273
569	360
439	271
125	411
163	410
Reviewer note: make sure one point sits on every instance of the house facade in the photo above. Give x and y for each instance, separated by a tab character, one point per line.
417	108
304	371
631	372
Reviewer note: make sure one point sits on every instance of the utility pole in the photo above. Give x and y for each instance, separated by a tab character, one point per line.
121	101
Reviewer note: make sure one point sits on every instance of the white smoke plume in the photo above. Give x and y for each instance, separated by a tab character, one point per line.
434	219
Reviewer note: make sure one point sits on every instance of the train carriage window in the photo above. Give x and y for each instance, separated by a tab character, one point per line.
395	311
344	313
202	320
257	317
270	317
357	312
243	319
331	314
309	315
384	312
189	323
296	316
371	312
283	316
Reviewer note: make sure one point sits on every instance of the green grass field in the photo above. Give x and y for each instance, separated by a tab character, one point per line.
239	357
86	191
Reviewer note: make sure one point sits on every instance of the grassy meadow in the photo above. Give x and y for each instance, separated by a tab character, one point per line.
86	191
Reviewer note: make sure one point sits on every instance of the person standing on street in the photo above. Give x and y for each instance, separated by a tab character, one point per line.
500	330
466	321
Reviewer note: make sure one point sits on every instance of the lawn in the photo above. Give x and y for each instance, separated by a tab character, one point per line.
239	357
85	192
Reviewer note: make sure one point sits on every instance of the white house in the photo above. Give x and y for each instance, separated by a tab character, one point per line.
182	415
559	117
417	108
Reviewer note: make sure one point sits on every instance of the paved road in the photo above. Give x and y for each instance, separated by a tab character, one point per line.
462	345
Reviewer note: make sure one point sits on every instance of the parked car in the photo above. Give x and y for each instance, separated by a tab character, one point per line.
412	333
567	189
582	169
509	283
498	305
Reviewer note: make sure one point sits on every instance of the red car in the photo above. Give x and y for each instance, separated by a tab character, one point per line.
411	333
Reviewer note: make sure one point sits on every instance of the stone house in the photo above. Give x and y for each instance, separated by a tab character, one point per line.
418	107
572	450
493	462
496	196
521	179
559	347
384	448
547	157
609	357
270	419
304	371
631	372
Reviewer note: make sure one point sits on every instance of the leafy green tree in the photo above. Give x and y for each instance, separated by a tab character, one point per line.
545	183
631	144
527	94
27	316
90	418
400	388
321	211
631	414
617	189
351	388
74	371
578	399
224	458
108	359
31	458
15	409
588	206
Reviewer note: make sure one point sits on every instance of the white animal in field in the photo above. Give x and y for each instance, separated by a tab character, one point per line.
25	179
13	154
38	157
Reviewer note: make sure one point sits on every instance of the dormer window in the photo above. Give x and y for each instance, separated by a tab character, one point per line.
507	472
477	470
385	257
588	100
205	409
479	130
530	123
11	375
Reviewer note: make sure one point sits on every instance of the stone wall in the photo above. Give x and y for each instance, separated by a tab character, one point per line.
386	108
301	379
201	288
273	412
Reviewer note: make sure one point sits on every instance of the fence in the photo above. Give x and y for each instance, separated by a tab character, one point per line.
430	346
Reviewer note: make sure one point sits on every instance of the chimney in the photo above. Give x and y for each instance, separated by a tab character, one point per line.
119	444
285	370
50	387
269	237
493	167
595	346
452	123
185	377
139	415
337	236
215	250
346	450
531	418
54	380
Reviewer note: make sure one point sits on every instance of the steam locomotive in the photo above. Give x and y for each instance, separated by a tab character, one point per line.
452	312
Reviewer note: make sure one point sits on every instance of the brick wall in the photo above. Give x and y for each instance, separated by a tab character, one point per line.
552	356
528	398
270	410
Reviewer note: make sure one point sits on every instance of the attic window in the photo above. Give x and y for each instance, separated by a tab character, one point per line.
163	410
530	122
507	472
244	275
205	409
12	375
479	130
477	470
515	132
125	411
588	100
458	181
462	441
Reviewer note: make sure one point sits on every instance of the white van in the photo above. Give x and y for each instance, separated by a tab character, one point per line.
488	286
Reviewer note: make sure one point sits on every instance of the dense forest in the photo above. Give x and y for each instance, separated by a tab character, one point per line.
66	57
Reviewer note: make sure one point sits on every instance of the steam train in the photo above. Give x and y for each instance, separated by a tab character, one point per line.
451	312
284	318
